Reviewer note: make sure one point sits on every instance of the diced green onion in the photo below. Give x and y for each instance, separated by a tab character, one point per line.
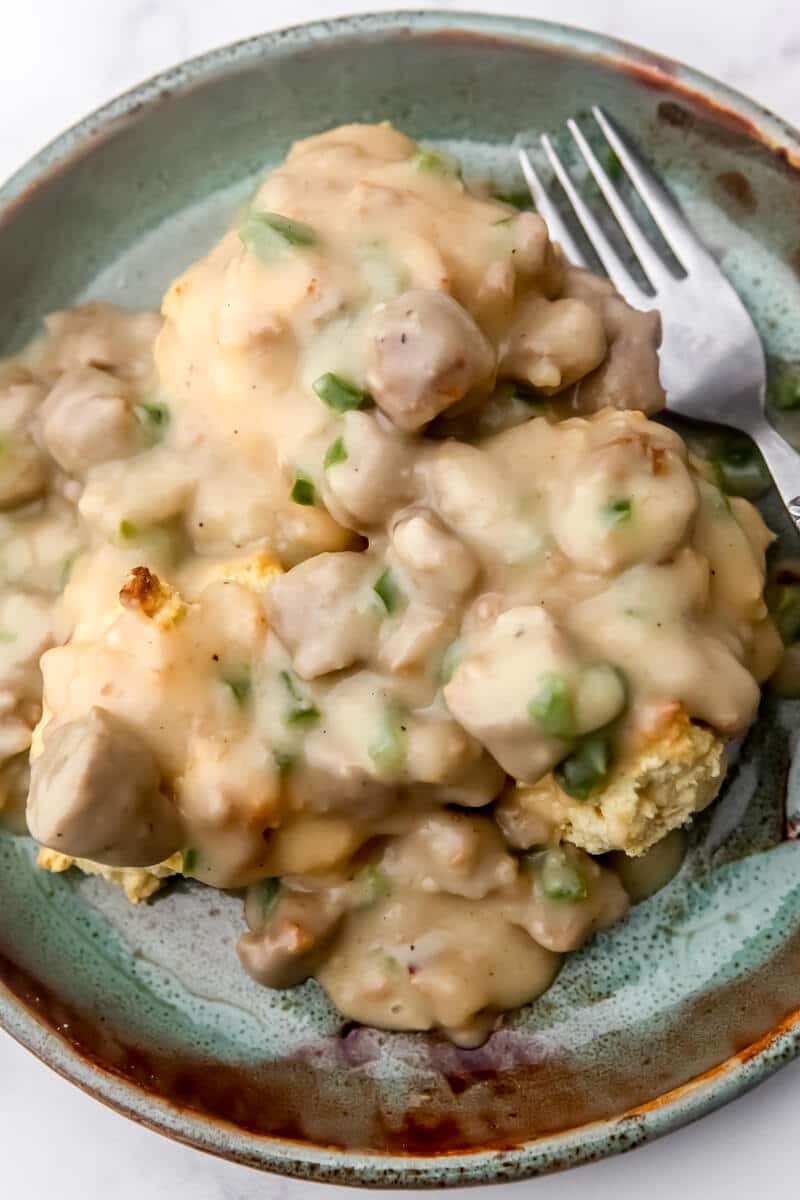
284	762
371	885
303	492
189	862
7	637
558	880
740	470
387	591
609	160
303	714
612	166
239	685
450	661
717	501
783	601
267	234
340	395
587	766
439	162
619	510
536	402
553	708
153	417
527	395
302	711
266	893
389	752
335	454
127	530
519	200
66	567
287	679
785	386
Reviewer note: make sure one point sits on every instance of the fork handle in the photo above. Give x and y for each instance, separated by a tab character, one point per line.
783	463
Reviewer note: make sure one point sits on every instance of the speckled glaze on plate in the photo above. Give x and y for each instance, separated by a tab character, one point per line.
696	996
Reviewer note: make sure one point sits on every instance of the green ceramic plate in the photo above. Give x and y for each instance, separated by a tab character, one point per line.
695	997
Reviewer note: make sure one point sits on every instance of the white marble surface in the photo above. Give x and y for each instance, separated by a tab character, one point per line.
58	60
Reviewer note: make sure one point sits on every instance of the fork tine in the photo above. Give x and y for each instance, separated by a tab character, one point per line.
651	263
615	268
557	228
687	248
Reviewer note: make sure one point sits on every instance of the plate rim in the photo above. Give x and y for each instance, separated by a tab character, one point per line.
598	1139
585	1143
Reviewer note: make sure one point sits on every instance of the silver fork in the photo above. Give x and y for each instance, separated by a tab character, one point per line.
711	358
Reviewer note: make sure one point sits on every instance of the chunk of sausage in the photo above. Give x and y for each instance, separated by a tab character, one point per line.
418	632
628	376
315	611
375	478
568	899
440	564
451	852
26	620
552	343
149	490
647	618
14	784
475	786
535	256
25	633
95	793
521	692
87	419
99	335
368	744
426	354
287	948
631	499
23	467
